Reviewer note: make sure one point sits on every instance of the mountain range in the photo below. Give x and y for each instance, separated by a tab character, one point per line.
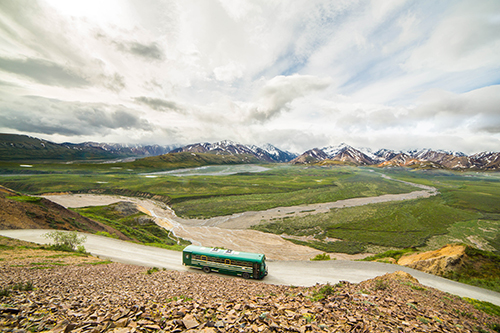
266	153
15	147
21	147
425	158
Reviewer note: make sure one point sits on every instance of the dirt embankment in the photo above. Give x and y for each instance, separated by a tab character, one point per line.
439	262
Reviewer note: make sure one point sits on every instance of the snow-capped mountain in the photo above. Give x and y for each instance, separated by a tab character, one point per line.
425	158
22	147
136	149
342	153
267	153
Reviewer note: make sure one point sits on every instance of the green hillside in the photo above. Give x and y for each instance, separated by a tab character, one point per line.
187	160
15	147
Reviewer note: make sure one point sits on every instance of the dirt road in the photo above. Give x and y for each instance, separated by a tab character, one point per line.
298	273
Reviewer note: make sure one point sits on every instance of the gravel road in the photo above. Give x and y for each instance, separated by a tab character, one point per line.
298	273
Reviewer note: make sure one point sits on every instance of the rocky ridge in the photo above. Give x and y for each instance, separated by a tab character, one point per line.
112	297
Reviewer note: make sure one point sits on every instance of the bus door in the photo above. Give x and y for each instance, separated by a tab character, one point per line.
187	258
256	270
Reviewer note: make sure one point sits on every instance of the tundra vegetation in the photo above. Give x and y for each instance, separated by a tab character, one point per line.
134	224
467	208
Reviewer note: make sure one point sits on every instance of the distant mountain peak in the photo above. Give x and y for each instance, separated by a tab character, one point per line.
267	153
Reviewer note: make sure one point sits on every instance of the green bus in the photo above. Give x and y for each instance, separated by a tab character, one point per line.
245	264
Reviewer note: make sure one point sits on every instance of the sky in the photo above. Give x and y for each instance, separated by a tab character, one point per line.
297	74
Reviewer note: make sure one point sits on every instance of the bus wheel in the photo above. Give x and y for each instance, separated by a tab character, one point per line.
246	275
206	269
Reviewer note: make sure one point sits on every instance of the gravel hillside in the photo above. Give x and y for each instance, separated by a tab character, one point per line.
42	290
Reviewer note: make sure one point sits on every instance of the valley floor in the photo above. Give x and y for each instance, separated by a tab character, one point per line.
231	231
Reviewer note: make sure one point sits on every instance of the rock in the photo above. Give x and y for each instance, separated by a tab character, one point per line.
122	322
10	310
122	330
153	327
190	321
207	330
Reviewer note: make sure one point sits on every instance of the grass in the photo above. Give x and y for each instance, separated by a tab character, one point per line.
395	254
392	224
25	198
486	307
144	231
468	203
481	269
287	186
348	247
207	196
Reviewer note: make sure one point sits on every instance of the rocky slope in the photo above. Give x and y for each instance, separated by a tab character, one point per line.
72	296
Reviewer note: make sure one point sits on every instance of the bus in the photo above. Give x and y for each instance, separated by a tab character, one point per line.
245	264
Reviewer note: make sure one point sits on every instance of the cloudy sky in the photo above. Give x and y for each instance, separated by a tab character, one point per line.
297	74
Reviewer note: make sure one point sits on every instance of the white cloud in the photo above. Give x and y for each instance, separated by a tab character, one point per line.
229	72
320	71
467	39
280	91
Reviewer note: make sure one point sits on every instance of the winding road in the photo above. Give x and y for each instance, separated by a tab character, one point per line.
229	232
298	273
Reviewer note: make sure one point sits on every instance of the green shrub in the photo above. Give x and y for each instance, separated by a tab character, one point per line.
106	234
321	256
323	292
396	254
28	286
4	292
152	270
380	285
66	241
